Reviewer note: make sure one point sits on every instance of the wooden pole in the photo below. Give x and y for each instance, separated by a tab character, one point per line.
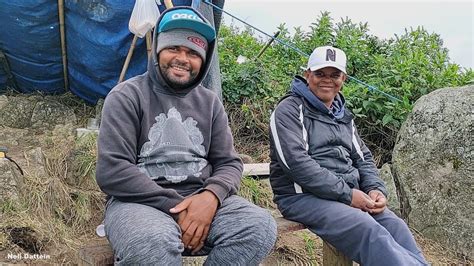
127	60
63	42
268	44
148	43
168	4
333	257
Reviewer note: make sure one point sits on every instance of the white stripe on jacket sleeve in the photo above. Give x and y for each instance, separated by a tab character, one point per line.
298	188
276	139
355	143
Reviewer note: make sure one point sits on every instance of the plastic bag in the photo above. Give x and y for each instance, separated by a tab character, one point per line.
144	16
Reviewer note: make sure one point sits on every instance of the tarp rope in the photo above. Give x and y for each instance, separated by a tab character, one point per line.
296	49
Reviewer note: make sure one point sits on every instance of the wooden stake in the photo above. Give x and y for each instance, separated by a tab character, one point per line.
333	257
63	42
168	4
148	43
127	60
268	44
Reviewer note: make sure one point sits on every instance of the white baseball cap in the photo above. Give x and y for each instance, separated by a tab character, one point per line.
327	56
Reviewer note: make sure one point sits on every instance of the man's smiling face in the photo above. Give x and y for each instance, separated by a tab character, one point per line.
325	83
179	66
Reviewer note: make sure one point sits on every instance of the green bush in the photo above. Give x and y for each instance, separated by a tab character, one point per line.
406	66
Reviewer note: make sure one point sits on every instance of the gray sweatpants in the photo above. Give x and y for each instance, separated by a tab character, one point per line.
381	239
240	234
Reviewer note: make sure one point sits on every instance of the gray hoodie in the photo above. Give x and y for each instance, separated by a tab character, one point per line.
158	145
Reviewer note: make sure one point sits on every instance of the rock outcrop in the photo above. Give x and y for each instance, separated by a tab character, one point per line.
34	112
11	182
392	196
432	163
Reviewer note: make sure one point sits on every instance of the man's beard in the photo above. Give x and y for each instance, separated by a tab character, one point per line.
175	82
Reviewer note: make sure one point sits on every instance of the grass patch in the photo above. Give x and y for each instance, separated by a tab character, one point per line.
60	205
84	162
8	207
257	192
310	244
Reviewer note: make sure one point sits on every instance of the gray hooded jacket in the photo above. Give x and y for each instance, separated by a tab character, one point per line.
158	145
314	152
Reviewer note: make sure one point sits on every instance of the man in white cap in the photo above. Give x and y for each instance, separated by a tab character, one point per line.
167	162
323	175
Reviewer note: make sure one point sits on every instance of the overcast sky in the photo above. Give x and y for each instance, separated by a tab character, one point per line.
452	20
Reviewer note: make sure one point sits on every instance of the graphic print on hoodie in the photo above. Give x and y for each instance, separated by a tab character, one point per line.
174	150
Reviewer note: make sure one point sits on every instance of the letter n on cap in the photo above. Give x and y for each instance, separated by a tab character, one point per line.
331	55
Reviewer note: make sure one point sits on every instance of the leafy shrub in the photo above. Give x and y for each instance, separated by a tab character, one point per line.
406	66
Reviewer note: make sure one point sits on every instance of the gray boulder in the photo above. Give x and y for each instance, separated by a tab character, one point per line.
432	162
48	113
392	197
15	112
11	182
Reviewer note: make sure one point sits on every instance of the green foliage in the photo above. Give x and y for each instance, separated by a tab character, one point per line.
254	191
250	80
407	67
322	32
310	244
246	82
84	161
358	45
8	206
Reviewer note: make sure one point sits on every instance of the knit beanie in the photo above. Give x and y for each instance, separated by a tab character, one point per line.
182	37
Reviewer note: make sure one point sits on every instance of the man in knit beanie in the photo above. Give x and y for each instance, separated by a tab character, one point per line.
170	43
167	162
183	39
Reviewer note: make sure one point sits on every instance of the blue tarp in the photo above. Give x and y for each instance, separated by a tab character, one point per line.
3	73
97	41
29	37
3	80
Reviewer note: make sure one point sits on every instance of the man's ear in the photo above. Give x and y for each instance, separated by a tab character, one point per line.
306	74
344	77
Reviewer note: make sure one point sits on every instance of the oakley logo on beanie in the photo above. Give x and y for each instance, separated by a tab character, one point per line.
197	41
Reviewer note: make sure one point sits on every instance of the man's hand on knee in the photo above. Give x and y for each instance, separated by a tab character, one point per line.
362	201
195	218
